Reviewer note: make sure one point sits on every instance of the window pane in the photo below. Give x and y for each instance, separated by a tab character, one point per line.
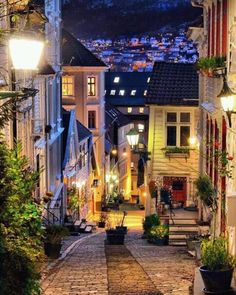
185	117
67	86
171	135
92	119
91	86
184	135
171	117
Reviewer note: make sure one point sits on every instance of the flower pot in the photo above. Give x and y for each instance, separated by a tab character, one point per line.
52	250
190	244
216	281
101	224
197	246
115	237
160	241
122	228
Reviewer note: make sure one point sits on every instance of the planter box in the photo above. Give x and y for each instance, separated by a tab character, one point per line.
160	241
115	237
122	228
177	155
101	224
52	250
216	282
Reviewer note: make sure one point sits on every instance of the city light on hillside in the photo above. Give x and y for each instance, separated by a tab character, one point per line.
25	53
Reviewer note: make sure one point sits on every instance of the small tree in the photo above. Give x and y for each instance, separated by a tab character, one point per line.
20	225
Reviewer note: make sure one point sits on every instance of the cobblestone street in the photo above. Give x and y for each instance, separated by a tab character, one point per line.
136	268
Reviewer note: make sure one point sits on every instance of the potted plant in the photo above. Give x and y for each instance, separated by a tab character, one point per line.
149	222
116	235
159	235
102	220
211	66
218	265
53	239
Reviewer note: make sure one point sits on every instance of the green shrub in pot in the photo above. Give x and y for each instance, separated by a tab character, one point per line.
218	265
159	234
149	222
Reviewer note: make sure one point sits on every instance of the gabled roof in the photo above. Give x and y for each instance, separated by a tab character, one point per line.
74	53
173	84
83	132
114	116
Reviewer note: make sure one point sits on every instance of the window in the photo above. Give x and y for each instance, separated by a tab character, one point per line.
129	110
145	92
116	79
141	110
91	84
67	85
148	79
92	119
177	128
140	127
113	92
122	92
133	92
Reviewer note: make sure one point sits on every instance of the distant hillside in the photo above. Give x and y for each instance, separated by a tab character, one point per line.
114	18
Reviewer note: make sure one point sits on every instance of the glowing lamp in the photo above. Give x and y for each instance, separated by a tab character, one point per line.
193	141
227	100
25	53
132	137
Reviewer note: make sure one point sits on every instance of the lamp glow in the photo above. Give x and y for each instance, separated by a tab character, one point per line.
193	141
227	103
132	137
25	53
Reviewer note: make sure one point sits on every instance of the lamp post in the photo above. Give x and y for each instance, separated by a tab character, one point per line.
133	140
227	97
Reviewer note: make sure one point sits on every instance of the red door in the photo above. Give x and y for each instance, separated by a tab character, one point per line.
179	188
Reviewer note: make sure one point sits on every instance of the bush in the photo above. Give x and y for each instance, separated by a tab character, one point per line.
55	233
149	222
206	191
158	232
215	255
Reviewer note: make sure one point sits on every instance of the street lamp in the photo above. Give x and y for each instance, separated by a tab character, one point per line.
25	53
227	100
132	137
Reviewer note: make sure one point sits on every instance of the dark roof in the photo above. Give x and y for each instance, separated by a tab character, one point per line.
45	69
173	84
74	53
83	132
128	81
114	116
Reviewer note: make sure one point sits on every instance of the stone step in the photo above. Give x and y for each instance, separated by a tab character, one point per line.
188	233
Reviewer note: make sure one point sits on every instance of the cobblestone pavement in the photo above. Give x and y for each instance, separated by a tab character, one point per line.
125	275
84	271
170	268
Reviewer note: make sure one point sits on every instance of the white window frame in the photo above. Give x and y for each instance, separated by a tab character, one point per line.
129	110
133	92
122	92
141	110
73	85
178	125
96	85
113	92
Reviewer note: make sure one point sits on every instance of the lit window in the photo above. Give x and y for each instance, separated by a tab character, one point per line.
133	92
132	164
122	92
145	92
116	79
91	84
113	92
67	85
177	129
141	110
129	110
92	119
140	127
148	79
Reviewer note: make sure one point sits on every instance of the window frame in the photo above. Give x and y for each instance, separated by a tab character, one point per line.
95	85
178	124
129	110
72	83
95	119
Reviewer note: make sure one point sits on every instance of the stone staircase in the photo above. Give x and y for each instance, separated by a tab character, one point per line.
180	228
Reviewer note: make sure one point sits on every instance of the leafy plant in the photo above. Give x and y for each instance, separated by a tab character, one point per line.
206	191
20	225
215	255
158	231
176	150
55	233
213	62
150	221
103	217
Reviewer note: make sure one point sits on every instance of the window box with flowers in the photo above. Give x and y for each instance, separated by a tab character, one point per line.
211	66
177	152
